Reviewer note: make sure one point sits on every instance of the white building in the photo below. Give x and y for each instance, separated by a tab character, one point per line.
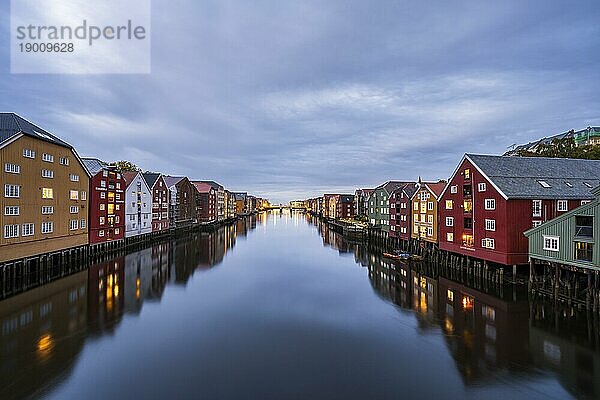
138	205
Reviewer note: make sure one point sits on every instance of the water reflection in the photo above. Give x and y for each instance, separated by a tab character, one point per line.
45	329
490	330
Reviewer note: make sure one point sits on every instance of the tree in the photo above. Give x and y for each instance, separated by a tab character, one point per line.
126	166
564	148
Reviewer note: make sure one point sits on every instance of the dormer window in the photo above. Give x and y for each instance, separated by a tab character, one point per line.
588	185
569	184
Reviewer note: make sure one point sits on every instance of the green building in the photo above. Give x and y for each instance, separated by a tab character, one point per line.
569	239
378	205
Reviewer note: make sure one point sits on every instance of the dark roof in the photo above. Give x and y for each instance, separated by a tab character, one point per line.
520	177
172	180
346	198
202	187
214	184
409	189
240	195
11	125
94	165
390	186
129	176
151	178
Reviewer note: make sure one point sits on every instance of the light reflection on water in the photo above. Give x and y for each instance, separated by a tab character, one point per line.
279	306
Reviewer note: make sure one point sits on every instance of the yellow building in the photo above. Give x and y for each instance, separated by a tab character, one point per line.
425	224
45	191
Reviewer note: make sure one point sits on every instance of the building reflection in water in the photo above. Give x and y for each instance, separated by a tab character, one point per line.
489	330
44	329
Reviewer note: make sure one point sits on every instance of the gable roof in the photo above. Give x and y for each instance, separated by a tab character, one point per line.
520	177
390	186
202	187
346	198
151	178
172	180
213	184
436	187
12	125
129	176
93	165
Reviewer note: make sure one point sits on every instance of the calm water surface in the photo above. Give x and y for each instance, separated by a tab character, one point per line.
277	306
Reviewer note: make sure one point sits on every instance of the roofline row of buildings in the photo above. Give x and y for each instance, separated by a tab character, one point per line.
53	199
492	208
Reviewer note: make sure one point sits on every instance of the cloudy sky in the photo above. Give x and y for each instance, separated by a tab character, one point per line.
289	99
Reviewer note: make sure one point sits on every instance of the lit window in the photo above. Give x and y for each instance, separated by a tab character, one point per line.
551	243
102	207
481	187
47	193
450	295
102	220
467	173
449	204
74	195
450	237
12	168
562	205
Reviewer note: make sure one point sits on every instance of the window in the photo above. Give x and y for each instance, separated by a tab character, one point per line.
416	205
490	204
468	223
537	208
449	221
468	205
28	153
535	224
82	224
102	195
47	193
74	209
551	243
47	157
490	224
47	210
449	204
467	173
47	227
103	184
102	220
74	177
450	237
12	168
73	195
74	224
454	189
544	184
101	233
467	240
27	229
64	161
488	243
11	210
83	195
102	207
12	190
430	219
481	187
584	226
562	205
430	206
46	173
588	185
429	231
117	231
584	251
584	202
11	231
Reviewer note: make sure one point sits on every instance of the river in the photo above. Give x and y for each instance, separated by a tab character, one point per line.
278	306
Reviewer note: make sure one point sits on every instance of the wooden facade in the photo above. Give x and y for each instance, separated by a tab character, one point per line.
401	211
425	206
206	202
160	201
138	205
45	189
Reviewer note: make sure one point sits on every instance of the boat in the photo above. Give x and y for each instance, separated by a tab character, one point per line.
397	256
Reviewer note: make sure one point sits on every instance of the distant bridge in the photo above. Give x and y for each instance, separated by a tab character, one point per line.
282	207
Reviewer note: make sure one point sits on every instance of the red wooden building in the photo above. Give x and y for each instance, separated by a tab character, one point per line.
400	211
160	201
206	202
491	200
107	202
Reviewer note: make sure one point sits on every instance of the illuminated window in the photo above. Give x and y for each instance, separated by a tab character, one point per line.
47	193
449	204
73	195
467	173
450	237
102	220
450	295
